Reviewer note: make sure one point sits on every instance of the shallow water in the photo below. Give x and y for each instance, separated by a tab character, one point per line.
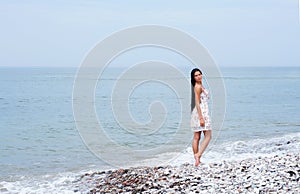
40	142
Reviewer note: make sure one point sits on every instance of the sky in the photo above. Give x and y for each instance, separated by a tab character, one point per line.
235	32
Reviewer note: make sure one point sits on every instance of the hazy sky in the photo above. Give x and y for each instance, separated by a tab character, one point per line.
236	32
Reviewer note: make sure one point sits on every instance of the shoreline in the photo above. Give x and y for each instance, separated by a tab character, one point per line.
276	174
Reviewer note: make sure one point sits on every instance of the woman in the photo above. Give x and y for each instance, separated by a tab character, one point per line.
200	121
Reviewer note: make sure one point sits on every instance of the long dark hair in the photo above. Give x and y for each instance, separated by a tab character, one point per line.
193	82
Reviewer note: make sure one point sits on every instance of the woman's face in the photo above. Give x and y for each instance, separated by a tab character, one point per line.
197	76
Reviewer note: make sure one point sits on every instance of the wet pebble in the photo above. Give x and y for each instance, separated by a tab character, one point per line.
257	175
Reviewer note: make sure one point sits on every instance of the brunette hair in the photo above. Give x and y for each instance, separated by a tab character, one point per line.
193	81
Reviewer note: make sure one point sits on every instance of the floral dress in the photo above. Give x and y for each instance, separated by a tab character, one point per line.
195	122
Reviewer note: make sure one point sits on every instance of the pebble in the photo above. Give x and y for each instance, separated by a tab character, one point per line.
256	175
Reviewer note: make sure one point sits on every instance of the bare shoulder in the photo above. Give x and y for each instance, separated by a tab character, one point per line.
198	88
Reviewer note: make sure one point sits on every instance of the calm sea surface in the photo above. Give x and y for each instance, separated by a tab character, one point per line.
40	146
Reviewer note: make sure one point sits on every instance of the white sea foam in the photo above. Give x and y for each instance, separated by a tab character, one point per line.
60	183
239	150
65	182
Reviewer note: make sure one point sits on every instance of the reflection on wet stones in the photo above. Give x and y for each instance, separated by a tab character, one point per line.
260	175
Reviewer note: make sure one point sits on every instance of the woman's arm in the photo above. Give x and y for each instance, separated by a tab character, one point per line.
198	90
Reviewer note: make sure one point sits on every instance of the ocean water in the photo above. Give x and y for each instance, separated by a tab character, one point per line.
41	149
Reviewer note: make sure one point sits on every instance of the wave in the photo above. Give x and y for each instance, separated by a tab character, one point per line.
243	149
65	182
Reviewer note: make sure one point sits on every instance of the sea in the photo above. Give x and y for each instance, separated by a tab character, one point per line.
43	151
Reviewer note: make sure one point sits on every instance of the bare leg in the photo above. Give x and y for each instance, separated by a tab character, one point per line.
195	145
204	143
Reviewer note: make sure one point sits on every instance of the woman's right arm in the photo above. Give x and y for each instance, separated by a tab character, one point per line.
197	91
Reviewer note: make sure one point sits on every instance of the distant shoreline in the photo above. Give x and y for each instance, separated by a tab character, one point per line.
114	66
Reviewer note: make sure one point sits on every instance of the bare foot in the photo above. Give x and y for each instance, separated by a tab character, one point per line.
197	159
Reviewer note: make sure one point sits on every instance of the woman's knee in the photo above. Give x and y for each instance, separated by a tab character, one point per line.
196	136
207	134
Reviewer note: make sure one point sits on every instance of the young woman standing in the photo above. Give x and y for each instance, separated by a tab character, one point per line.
200	120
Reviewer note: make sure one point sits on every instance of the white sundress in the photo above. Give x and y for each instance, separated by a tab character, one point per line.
195	122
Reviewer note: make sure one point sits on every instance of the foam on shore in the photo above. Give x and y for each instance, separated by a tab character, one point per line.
278	174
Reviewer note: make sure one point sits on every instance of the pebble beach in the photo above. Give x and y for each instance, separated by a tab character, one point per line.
274	174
